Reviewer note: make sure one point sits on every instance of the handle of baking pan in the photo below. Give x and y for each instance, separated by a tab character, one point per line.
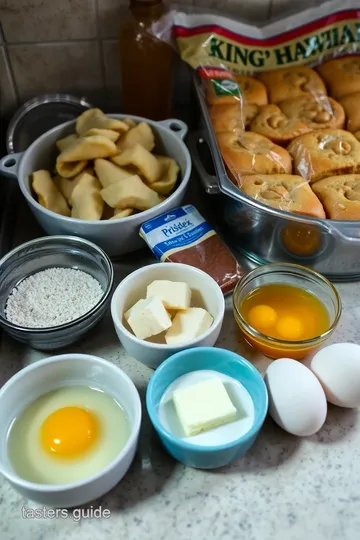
9	165
178	127
349	233
208	180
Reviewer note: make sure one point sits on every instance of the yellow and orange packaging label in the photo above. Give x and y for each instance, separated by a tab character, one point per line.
310	37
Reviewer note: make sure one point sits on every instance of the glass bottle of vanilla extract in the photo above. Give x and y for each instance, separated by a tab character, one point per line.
146	62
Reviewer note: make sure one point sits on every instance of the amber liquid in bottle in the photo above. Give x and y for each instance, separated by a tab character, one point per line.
146	63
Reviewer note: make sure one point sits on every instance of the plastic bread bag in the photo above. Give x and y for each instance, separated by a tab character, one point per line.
224	99
280	98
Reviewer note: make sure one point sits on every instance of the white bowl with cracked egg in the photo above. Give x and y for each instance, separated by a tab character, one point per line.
206	293
63	371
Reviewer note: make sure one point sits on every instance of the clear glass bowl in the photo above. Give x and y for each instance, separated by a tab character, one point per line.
297	276
55	251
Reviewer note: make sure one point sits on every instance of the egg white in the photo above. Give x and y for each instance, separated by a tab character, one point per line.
32	462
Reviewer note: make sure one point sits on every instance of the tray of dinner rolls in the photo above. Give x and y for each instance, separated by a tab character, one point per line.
287	123
287	142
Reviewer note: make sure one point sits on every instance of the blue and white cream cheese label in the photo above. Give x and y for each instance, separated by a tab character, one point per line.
178	229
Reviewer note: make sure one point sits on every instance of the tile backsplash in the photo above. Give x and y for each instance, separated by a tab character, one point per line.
71	46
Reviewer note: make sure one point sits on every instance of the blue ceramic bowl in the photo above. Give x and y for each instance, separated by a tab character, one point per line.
223	361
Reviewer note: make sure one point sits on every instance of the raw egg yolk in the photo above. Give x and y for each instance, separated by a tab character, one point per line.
69	432
262	317
289	328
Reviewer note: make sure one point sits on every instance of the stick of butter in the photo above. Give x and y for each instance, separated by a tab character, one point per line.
148	317
174	294
187	325
203	406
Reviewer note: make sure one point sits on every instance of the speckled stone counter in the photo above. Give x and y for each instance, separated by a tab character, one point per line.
286	488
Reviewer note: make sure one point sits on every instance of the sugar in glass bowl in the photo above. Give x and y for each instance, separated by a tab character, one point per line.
65	252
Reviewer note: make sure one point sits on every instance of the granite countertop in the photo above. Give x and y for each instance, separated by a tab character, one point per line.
285	488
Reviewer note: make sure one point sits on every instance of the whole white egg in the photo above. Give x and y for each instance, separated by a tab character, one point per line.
338	369
297	402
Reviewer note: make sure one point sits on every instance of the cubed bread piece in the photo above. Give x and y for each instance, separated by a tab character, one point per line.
48	195
168	178
64	143
129	122
86	200
109	173
130	192
66	186
122	213
95	118
109	133
138	134
70	169
80	151
141	161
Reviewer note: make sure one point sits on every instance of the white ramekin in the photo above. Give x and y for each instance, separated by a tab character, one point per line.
133	287
58	371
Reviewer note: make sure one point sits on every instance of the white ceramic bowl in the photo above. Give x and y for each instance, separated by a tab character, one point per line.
133	287
115	236
46	375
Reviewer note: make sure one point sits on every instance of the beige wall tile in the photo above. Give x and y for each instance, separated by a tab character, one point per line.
73	67
281	8
49	20
247	10
7	91
250	10
111	12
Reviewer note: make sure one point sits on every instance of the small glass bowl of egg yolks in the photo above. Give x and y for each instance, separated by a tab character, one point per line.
286	310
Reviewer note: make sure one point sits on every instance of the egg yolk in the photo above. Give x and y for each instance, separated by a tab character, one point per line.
301	240
69	432
262	317
289	328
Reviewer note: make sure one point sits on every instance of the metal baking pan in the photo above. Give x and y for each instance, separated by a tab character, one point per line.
264	234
